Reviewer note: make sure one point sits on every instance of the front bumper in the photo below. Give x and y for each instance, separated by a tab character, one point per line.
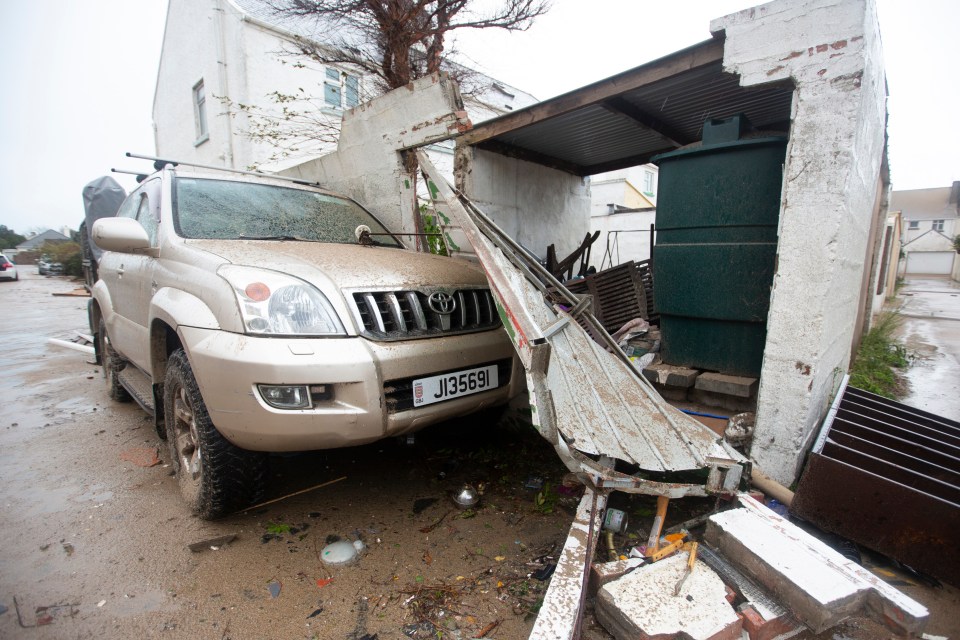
355	370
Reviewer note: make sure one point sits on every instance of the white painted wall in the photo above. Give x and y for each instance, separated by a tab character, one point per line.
535	205
241	58
631	243
831	50
190	53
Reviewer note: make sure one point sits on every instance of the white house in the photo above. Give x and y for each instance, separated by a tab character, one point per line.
623	205
222	55
929	227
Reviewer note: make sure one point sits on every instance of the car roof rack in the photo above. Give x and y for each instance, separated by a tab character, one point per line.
160	163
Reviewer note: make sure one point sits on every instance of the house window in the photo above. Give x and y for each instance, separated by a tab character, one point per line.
200	112
341	90
648	184
938	225
913	224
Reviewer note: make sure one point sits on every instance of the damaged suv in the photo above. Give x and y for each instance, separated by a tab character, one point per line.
252	315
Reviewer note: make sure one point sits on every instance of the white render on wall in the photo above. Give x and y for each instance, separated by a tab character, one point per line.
831	51
535	205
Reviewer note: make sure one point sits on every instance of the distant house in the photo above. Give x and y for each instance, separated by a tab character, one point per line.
623	205
929	227
34	242
222	54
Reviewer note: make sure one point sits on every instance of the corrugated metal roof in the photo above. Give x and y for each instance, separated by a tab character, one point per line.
624	120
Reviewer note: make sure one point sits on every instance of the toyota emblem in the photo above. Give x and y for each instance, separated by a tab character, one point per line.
442	303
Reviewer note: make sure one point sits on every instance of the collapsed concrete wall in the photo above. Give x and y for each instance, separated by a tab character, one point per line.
536	205
368	164
831	51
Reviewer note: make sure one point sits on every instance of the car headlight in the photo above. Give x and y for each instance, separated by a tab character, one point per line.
273	303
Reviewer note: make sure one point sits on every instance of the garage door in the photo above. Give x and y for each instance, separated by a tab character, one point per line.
930	262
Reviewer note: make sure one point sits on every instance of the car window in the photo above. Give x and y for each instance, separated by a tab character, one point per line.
146	216
130	206
225	209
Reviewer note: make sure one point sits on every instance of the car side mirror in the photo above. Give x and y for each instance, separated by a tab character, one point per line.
125	235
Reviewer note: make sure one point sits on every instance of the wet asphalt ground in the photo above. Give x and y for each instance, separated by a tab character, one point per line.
930	311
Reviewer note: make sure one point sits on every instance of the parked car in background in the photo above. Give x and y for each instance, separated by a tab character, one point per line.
251	315
47	267
8	270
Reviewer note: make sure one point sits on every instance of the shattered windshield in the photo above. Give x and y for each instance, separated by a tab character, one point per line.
229	210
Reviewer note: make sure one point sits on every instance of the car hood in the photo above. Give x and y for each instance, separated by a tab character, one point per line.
347	266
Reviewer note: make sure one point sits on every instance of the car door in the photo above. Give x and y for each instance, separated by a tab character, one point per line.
129	278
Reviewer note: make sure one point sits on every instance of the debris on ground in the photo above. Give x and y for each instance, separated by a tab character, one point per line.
45	615
142	456
273	588
214	544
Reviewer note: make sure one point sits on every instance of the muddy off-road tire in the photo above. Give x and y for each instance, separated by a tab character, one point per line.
112	364
216	478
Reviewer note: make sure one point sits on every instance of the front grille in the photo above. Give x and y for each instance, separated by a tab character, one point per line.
399	393
401	315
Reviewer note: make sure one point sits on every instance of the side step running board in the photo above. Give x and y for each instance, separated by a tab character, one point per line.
137	383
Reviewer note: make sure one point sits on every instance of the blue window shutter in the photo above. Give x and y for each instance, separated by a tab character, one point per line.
331	94
353	91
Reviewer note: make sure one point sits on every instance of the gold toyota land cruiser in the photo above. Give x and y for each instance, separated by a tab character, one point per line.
253	314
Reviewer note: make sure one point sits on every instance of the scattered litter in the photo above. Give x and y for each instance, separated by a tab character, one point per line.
213	544
71	345
615	520
322	582
427	558
46	615
295	493
467	497
487	630
101	603
274	587
142	456
339	553
79	292
421	630
436	524
316	612
68	548
534	483
544	573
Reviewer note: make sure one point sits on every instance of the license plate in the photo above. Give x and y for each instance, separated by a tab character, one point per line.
454	385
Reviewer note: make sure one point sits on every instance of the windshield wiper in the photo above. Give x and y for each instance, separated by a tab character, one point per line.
277	237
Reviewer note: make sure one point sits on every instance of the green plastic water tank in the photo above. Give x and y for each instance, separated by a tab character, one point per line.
715	253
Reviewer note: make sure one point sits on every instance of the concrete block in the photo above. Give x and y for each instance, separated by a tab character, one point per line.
727	385
671	375
642	605
603	572
818	585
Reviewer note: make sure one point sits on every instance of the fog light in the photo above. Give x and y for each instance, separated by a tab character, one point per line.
281	396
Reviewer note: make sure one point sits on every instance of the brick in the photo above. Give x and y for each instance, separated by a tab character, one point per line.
727	385
642	606
670	375
759	628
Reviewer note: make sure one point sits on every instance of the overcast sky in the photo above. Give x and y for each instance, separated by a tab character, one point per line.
78	79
